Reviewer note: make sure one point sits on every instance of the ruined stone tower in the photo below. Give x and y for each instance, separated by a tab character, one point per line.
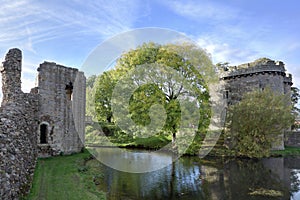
18	130
62	109
11	76
45	122
259	74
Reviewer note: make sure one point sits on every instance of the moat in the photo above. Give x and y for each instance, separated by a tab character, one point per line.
195	178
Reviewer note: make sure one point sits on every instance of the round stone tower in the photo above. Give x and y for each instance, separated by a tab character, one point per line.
11	76
259	74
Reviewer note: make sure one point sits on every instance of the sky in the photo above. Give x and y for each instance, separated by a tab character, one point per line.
66	32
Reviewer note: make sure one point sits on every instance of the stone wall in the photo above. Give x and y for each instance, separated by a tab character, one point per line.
259	74
292	138
18	128
62	109
11	76
45	122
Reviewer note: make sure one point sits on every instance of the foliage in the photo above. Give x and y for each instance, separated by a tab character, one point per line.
104	86
89	103
255	63
90	81
90	96
141	102
166	94
265	192
94	136
295	96
189	61
199	58
223	66
193	149
256	121
153	142
251	175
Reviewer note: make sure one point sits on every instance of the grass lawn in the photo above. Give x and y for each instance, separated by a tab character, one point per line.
65	177
288	151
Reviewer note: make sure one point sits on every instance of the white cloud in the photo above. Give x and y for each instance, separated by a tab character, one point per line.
224	52
26	24
199	10
104	17
27	84
293	68
235	55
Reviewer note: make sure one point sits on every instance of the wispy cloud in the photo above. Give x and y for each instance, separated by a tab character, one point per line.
29	24
199	10
224	52
103	17
235	55
226	27
27	84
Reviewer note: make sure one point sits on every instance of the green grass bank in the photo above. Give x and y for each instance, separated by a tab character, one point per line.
65	177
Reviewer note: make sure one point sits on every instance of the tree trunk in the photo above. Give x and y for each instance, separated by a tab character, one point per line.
174	146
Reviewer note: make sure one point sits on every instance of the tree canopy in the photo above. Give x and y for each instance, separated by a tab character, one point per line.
295	95
255	123
171	76
103	89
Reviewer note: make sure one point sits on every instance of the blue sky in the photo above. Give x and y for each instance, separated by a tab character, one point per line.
66	32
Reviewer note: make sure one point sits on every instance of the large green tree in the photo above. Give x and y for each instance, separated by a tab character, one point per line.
255	123
295	96
103	88
169	91
90	96
164	90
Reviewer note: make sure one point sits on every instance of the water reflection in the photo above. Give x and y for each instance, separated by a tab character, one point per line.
133	161
295	184
193	178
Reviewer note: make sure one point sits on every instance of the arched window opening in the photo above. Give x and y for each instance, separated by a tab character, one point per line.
43	133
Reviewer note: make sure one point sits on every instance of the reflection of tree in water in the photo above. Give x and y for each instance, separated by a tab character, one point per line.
180	180
295	181
190	178
241	177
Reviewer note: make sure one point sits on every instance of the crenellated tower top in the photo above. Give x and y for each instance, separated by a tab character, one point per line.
259	66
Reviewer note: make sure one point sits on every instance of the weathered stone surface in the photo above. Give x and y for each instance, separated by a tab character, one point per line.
18	128
11	76
292	138
62	109
256	75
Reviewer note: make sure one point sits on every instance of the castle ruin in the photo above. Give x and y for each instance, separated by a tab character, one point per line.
45	122
61	110
50	119
260	74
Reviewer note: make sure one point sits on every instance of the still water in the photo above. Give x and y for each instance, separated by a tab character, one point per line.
194	178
